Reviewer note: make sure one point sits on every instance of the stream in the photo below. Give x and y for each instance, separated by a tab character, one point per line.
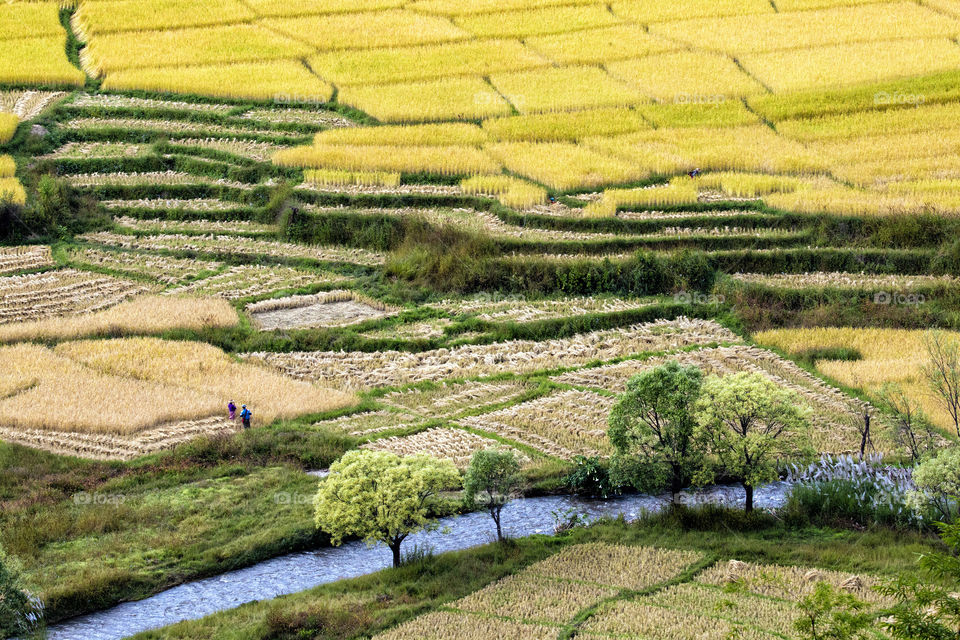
299	571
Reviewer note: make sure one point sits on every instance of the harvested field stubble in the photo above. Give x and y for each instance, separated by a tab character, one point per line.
328	309
564	424
23	258
63	292
358	370
451	444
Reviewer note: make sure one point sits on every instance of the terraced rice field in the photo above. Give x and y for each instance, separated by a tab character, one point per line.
65	291
450	444
238	283
329	309
381	369
545	598
14	259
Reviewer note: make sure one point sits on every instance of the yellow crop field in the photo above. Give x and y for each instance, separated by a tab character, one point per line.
804	5
890	146
686	77
647	11
845	200
876	173
144	315
446	99
749	185
8	126
12	191
442	160
390	65
533	22
313	7
202	46
726	113
600	45
679	191
871	123
457	8
753	148
889	356
566	126
564	166
38	61
951	7
108	16
389	28
274	80
123	386
564	89
34	19
7	167
512	192
743	34
336	177
429	135
798	69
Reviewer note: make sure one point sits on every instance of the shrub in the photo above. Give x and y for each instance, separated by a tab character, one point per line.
591	478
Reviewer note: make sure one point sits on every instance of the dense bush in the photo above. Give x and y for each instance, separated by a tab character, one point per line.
591	478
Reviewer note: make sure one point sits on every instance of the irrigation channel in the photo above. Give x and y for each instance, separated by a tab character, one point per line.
299	571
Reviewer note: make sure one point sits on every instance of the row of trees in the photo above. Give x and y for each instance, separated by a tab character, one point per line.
673	428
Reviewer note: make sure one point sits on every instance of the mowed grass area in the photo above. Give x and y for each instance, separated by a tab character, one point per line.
373	604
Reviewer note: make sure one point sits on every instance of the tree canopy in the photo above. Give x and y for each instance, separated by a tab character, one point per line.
381	497
492	480
749	422
654	420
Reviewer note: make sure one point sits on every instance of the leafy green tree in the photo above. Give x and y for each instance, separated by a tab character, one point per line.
654	421
492	480
749	422
938	485
831	614
20	612
381	497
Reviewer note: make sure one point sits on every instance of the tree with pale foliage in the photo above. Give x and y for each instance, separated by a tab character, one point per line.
653	423
492	480
750	422
381	497
938	485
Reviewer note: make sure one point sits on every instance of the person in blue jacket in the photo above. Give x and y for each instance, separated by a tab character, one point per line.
245	415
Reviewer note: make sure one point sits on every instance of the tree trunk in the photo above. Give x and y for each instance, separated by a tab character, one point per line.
749	490
675	489
866	435
496	519
395	548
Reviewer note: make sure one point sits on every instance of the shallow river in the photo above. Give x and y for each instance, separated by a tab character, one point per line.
299	571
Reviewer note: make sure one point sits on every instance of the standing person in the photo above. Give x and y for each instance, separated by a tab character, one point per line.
245	415
232	410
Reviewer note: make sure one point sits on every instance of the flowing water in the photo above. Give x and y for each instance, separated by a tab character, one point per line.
299	571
